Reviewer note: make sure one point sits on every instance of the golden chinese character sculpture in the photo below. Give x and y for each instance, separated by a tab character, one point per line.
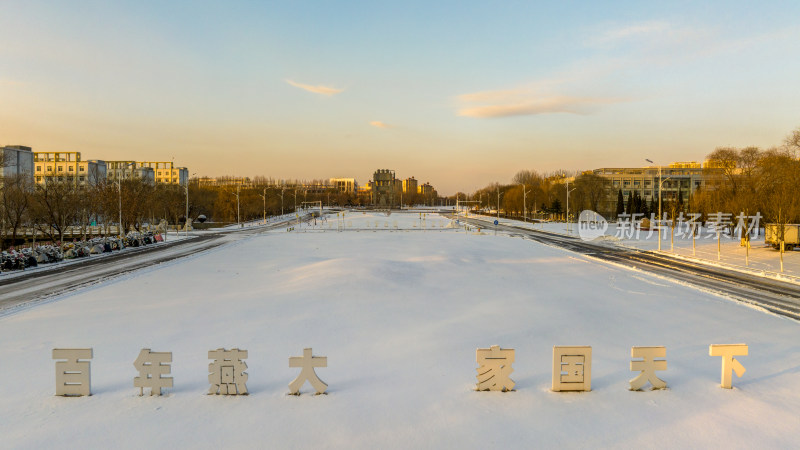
572	368
227	373
495	368
307	363
152	366
73	377
648	366
729	363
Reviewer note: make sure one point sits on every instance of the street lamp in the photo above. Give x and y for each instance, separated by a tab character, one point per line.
524	204
569	224
186	224
119	190
660	185
264	196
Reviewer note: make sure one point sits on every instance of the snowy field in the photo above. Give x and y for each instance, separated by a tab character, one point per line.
762	257
398	312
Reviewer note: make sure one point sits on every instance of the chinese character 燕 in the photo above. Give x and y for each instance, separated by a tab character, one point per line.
572	368
151	367
727	352
72	376
227	373
307	363
648	366
495	368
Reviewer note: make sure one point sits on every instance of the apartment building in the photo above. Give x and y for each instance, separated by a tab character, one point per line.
346	185
166	172
679	179
125	170
16	160
67	167
410	186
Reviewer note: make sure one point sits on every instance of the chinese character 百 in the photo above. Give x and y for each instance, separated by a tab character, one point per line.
151	367
495	368
572	368
727	352
72	376
307	363
227	373
648	366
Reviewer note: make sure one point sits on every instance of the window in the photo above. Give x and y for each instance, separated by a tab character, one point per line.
60	168
38	168
38	179
71	169
49	168
82	178
82	169
626	183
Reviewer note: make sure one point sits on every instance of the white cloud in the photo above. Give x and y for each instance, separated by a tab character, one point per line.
324	90
379	124
525	102
634	31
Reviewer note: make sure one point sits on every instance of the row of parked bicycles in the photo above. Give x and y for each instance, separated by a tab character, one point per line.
50	253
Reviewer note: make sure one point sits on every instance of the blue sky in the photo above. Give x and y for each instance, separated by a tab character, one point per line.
460	94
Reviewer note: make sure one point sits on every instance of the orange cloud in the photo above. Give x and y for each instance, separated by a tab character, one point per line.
324	90
379	124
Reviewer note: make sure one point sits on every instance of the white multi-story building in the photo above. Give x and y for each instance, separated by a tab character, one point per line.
166	172
16	160
68	167
347	185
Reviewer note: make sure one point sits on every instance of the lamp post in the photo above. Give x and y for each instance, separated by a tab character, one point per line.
282	189
524	203
119	191
660	186
264	197
186	225
498	201
569	224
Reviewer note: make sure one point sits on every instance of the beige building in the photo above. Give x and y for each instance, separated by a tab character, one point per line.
125	170
166	172
67	166
410	186
679	179
346	185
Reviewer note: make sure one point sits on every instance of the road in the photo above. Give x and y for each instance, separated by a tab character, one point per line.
29	288
779	297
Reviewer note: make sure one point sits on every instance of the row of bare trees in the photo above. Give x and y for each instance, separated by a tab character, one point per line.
532	192
747	180
52	208
751	180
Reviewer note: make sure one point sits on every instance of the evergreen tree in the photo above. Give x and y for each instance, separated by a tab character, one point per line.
629	204
620	203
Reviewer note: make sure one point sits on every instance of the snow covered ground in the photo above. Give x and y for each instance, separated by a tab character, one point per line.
399	312
762	257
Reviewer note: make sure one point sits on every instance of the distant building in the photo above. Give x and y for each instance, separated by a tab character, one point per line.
125	170
16	160
679	179
346	185
384	188
166	172
68	167
425	189
410	186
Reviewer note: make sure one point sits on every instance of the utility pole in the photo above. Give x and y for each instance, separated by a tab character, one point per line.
498	201
264	197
